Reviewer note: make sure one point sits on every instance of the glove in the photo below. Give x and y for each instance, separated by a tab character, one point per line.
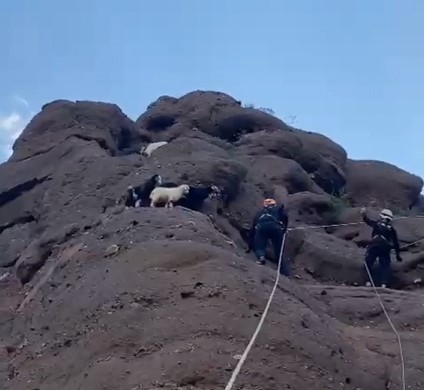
399	259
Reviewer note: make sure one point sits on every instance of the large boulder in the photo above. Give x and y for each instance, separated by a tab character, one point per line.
59	120
214	113
295	145
282	172
313	209
376	183
325	146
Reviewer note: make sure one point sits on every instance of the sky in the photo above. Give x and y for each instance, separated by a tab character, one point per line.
352	70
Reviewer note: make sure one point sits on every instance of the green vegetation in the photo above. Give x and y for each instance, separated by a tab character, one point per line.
338	205
267	110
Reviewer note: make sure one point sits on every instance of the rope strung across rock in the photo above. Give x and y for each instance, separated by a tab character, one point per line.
309	227
411	243
246	352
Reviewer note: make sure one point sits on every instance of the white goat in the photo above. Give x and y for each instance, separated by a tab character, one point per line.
168	195
149	149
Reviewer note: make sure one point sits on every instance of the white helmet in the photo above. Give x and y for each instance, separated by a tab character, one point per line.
386	214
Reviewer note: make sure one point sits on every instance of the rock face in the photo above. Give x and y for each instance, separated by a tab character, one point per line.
96	296
214	113
300	147
376	183
60	120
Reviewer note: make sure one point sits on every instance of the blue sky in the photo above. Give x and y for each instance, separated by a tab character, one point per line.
352	70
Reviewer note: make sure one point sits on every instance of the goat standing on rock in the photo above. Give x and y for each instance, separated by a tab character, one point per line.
168	195
139	195
196	195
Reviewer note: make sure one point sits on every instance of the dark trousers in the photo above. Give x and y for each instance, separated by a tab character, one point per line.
270	231
383	256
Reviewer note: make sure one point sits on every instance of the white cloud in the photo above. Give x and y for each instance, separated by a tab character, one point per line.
20	100
12	123
11	127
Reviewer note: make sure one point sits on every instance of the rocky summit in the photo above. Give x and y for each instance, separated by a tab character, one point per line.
96	296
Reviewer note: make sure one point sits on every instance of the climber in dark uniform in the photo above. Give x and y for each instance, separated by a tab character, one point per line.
269	223
383	238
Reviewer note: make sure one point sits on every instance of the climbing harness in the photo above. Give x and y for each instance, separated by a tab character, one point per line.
269	217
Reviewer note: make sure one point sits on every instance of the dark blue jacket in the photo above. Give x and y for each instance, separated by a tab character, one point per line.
383	236
270	214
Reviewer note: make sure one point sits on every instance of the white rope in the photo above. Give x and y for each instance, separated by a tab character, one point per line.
308	227
246	352
402	360
411	243
261	322
323	226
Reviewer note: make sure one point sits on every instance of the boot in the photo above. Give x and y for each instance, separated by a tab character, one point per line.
261	260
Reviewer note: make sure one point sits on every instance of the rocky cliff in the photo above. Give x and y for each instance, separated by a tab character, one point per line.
95	296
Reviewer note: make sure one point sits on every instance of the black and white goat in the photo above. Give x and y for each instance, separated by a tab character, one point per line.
195	197
140	195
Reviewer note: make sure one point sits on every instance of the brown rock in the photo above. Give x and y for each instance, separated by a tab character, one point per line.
137	275
282	172
102	319
379	184
101	122
12	242
31	260
214	113
327	258
294	145
314	209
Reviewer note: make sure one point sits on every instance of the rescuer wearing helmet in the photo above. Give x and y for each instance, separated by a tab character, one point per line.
269	223
383	239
